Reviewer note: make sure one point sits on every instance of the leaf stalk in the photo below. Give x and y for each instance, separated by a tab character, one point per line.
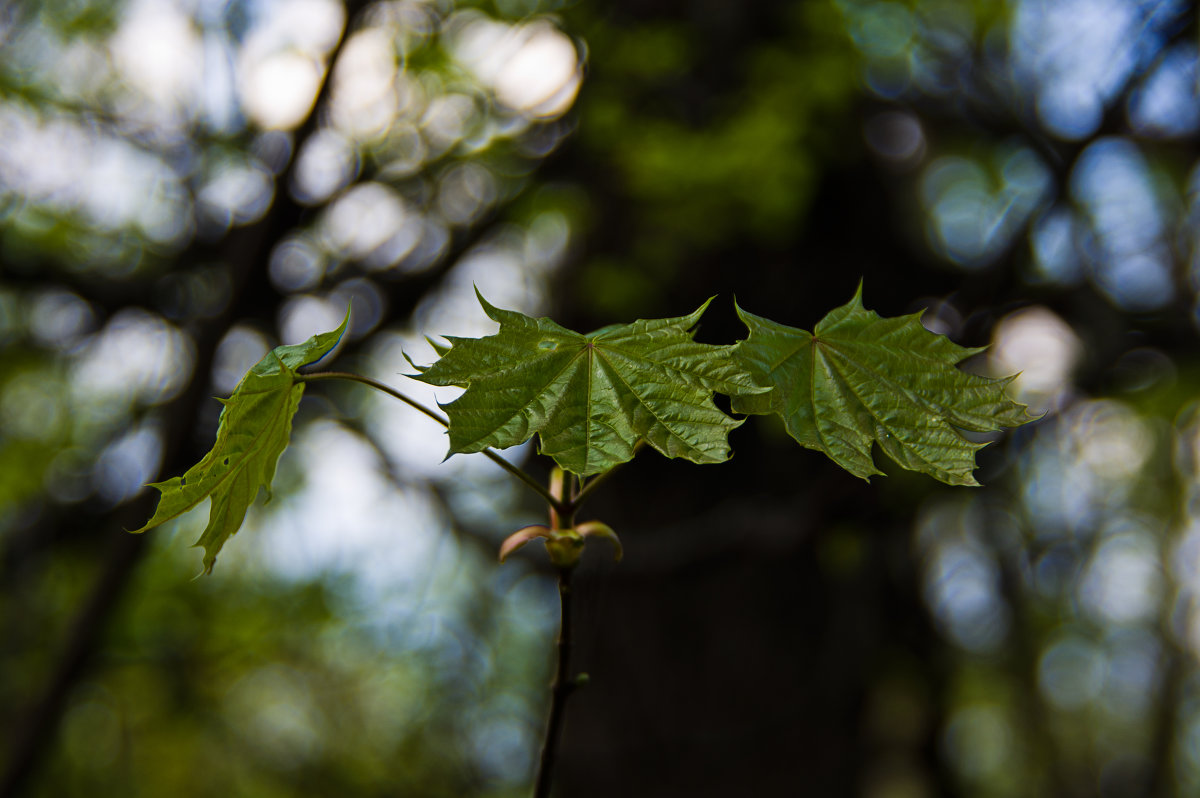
555	503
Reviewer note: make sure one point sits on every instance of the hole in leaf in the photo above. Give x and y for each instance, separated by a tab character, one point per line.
183	480
226	461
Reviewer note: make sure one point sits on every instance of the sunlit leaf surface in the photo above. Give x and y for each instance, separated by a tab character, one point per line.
860	379
590	398
255	426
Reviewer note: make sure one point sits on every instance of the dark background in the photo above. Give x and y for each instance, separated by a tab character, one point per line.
182	186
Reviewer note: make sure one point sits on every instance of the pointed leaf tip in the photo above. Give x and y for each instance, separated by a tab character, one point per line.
440	348
698	312
488	308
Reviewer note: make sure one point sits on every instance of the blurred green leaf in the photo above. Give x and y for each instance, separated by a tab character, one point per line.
254	430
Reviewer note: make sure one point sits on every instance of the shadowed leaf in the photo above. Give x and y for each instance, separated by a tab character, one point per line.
860	379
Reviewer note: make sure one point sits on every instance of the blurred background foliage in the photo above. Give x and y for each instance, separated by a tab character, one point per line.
186	183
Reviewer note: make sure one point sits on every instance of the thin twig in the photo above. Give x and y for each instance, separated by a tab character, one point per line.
516	471
379	386
561	690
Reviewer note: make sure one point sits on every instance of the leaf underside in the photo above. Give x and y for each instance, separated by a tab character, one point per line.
255	426
860	379
590	398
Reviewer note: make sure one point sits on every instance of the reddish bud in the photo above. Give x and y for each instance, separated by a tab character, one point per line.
522	536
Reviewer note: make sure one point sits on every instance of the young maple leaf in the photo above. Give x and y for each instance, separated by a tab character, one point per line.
590	398
859	379
255	426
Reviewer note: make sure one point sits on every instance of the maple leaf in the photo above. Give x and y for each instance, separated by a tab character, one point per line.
255	425
859	379
590	398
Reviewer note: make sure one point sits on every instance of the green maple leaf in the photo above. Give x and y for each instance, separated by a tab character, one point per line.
255	426
860	379
590	398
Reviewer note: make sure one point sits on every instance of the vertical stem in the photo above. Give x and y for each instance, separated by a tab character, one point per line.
561	690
